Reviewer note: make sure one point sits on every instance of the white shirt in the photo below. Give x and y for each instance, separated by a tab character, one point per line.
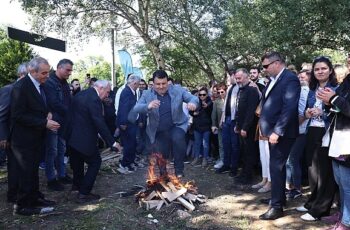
273	81
35	82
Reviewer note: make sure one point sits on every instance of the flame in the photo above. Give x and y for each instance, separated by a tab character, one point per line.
157	160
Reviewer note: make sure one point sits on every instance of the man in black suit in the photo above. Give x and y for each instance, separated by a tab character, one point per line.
128	130
5	102
85	123
29	121
279	123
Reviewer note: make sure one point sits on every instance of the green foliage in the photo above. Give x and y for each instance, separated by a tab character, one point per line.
13	53
97	67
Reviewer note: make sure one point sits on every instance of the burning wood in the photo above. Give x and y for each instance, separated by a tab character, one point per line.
166	188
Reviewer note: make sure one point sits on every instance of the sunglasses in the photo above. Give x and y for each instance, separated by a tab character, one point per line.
202	95
221	92
267	65
320	58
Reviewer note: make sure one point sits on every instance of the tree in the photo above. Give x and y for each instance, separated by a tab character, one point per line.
13	53
97	67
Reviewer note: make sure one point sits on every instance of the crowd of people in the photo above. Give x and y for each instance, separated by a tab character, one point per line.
294	121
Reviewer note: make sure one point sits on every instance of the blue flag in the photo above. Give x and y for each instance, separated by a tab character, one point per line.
137	72
125	62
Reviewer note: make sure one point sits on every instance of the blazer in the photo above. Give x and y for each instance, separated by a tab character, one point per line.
5	96
279	112
126	103
28	115
247	101
178	96
85	122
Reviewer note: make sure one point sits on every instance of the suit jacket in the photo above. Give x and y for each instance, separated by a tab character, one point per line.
279	112
247	101
178	95
126	103
28	115
85	122
5	96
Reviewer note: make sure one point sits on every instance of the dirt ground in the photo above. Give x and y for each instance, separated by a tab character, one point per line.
227	207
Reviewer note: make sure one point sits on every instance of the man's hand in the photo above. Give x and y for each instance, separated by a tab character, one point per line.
214	129
325	95
52	125
49	116
153	104
191	106
123	127
243	133
4	144
236	130
141	125
273	139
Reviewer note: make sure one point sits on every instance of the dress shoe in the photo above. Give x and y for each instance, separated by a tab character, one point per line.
28	211
259	185
82	198
223	169
11	199
272	214
54	185
41	202
180	175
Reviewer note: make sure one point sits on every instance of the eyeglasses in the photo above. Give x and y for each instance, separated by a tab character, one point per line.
202	95
221	92
267	65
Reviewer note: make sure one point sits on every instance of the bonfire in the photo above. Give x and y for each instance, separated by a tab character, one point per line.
164	188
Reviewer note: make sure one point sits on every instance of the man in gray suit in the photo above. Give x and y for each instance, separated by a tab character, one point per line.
167	122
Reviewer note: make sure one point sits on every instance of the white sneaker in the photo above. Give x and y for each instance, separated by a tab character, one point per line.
123	170
308	217
218	165
301	209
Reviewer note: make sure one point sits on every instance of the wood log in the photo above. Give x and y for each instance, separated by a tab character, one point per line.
151	195
191	197
152	203
160	204
180	199
162	197
173	195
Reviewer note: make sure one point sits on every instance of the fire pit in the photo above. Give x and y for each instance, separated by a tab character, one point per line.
165	188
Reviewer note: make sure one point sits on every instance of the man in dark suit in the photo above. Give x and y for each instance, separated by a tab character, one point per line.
85	123
5	102
29	121
127	129
279	123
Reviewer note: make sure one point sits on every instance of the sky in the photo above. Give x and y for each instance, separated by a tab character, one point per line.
12	15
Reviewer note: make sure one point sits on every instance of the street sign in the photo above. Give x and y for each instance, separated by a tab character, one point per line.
36	39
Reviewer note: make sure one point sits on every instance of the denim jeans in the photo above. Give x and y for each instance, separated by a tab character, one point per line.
342	177
54	157
293	165
201	142
230	142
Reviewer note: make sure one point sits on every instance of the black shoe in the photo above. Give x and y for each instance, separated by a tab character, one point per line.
11	199
272	214
55	185
81	198
223	169
28	211
65	180
40	202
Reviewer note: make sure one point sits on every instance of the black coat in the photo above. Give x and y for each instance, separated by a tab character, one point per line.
28	115
202	120
85	122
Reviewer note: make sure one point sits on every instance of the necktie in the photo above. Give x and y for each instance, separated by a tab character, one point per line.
42	93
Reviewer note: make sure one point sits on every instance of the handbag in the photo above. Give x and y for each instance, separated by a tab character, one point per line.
339	142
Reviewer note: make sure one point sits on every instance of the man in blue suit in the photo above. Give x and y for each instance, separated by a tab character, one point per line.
279	123
167	123
128	130
85	123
